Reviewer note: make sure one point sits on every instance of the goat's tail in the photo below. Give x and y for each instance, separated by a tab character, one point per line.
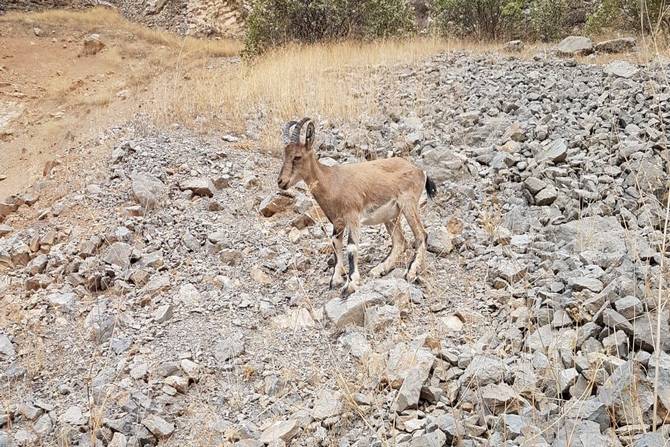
431	189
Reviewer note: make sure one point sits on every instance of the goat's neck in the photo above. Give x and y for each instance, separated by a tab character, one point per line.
317	178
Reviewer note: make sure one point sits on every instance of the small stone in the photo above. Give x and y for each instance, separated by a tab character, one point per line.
163	313
74	416
118	255
200	186
534	185
585	283
92	45
148	190
280	431
547	196
328	404
556	152
276	203
229	348
629	306
158	426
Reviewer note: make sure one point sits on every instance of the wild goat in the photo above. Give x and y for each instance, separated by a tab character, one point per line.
368	193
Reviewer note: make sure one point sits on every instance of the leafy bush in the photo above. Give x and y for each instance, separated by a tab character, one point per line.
275	22
645	16
483	19
548	18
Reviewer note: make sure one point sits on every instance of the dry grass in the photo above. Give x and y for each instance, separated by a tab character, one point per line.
100	18
335	81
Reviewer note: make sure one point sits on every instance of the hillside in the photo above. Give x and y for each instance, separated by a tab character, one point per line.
156	288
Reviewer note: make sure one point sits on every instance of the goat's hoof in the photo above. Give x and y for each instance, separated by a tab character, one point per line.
336	282
411	277
377	272
348	289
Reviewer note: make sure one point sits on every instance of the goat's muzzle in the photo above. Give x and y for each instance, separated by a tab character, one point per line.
283	184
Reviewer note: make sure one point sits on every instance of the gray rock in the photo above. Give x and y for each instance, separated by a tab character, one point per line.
514	46
482	371
439	242
621	69
410	390
6	346
158	426
356	343
65	302
280	431
118	440
585	283
575	46
163	313
547	196
229	347
148	190
200	186
579	433
118	255
404	358
556	151
616	321
43	426
328	404
74	416
500	398
629	306
433	439
534	185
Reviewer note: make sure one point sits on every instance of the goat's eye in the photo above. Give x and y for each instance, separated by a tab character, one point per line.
297	158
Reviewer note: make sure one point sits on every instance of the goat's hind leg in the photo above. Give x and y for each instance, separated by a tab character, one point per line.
399	244
411	214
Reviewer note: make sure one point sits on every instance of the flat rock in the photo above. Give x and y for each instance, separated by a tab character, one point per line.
621	69
483	370
280	431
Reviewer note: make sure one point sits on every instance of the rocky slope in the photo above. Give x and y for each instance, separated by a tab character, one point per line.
177	299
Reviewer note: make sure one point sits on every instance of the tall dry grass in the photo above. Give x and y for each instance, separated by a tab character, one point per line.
333	80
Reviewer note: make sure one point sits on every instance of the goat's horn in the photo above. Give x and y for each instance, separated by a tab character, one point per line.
295	137
287	130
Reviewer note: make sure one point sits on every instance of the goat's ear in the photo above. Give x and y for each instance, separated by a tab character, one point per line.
309	135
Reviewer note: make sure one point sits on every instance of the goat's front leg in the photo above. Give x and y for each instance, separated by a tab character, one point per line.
354	277
338	273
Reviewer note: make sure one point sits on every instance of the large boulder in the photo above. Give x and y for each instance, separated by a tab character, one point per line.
575	46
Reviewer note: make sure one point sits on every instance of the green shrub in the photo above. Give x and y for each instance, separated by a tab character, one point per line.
482	19
275	22
648	16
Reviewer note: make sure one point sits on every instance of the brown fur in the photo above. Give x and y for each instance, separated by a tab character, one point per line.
376	192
